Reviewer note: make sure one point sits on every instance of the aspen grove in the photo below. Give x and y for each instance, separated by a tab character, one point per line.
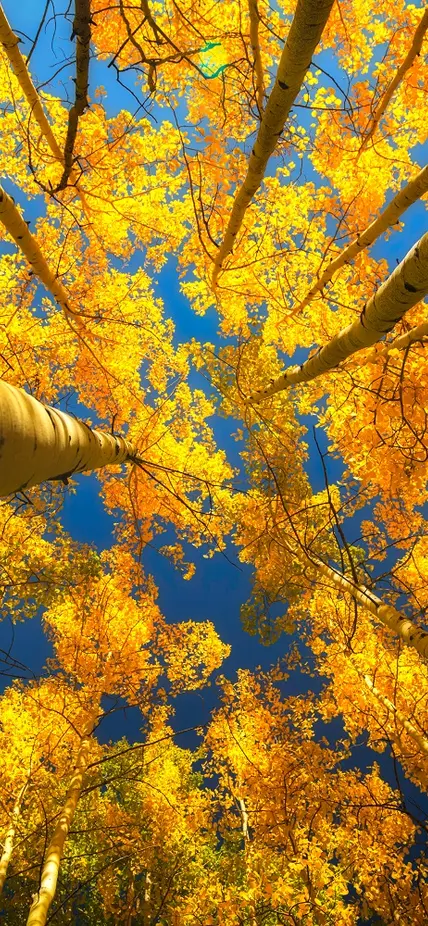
213	267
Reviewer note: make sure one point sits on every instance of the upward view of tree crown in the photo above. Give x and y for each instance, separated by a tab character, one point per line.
257	170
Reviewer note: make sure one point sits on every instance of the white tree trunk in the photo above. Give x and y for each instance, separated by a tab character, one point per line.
48	882
10	43
385	613
305	32
389	216
414	50
415	335
417	737
403	289
18	230
10	836
38	443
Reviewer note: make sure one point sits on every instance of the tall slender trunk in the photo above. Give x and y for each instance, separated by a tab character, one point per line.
244	818
247	854
82	32
414	50
147	900
305	32
418	738
38	443
130	899
403	289
28	244
10	835
48	882
385	613
409	194
10	43
259	87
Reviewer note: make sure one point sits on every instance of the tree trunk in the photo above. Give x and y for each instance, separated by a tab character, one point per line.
417	334
403	289
27	243
247	850
49	877
408	195
82	32
147	900
10	43
244	818
38	443
259	87
418	738
10	836
385	613
414	50
306	29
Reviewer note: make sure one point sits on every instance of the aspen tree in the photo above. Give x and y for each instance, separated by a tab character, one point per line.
415	335
18	229
38	750
385	613
378	686
38	443
414	50
109	643
420	740
10	835
10	43
403	289
315	828
409	194
259	88
49	877
305	32
281	552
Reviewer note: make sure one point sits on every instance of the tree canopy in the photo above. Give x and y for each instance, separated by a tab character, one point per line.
213	263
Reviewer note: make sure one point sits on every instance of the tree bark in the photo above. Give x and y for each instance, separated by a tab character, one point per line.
408	195
82	31
49	877
147	897
417	334
403	289
27	243
306	29
38	443
417	737
385	613
10	43
244	818
10	836
259	87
